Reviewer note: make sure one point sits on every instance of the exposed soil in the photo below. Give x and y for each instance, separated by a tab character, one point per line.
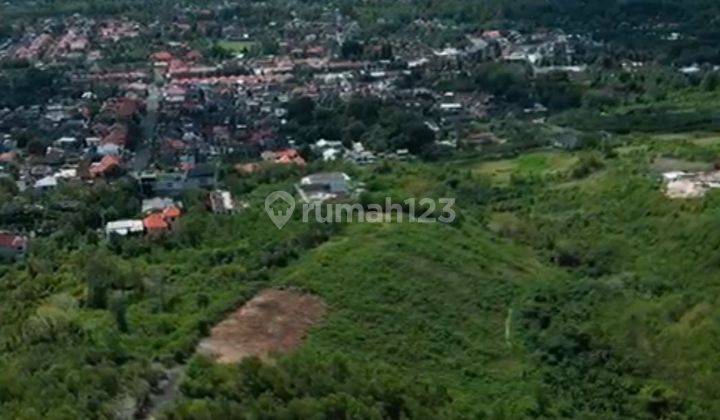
685	188
274	321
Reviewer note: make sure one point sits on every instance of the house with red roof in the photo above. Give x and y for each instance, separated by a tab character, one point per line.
194	56
109	165
8	157
155	224
12	246
284	157
126	108
171	214
289	156
161	222
163	56
118	135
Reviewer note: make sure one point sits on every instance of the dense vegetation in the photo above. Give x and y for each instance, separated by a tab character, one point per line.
569	286
87	323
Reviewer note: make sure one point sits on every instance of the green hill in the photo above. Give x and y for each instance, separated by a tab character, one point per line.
574	291
569	286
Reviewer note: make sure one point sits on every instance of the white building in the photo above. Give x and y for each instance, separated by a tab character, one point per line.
124	227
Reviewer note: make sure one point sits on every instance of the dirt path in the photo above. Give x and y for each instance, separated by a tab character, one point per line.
169	390
274	321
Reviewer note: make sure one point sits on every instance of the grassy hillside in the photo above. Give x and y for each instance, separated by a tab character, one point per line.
432	300
607	290
430	303
678	111
569	286
645	273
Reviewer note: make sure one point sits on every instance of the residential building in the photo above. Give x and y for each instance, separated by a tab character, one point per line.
12	246
324	186
124	227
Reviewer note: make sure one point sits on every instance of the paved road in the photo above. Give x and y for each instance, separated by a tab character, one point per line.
143	153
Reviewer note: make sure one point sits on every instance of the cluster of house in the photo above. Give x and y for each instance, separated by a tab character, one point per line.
167	121
240	106
209	109
331	150
161	214
160	217
538	49
73	39
87	145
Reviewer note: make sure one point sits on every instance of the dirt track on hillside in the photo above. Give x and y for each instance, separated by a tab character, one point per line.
274	321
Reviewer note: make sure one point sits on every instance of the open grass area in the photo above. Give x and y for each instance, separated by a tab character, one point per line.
531	164
662	165
700	138
237	46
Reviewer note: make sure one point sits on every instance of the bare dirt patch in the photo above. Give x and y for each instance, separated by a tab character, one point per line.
274	321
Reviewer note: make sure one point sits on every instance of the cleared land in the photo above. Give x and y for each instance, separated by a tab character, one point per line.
275	321
536	164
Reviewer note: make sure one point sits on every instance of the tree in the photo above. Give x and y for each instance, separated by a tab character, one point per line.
710	82
118	308
417	136
101	273
363	108
36	147
351	50
301	109
309	386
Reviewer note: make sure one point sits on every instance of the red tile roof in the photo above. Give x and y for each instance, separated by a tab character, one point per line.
194	56
14	242
171	212
175	144
288	156
126	107
155	222
162	56
8	157
107	164
118	135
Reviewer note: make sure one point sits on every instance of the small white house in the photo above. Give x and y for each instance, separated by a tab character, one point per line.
451	106
124	227
47	183
155	204
323	186
66	142
330	150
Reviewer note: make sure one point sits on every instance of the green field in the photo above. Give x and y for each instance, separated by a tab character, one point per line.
531	164
237	46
